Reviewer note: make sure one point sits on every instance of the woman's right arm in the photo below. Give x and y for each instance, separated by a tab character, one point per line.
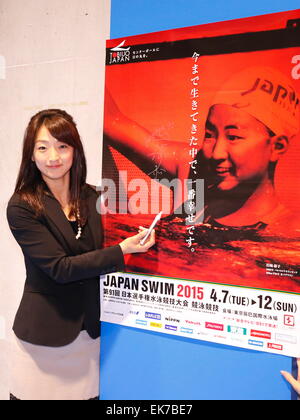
44	251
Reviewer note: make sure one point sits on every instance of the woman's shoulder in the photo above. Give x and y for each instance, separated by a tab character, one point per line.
18	210
285	223
17	200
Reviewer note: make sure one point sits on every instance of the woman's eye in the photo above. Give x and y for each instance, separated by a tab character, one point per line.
63	146
233	137
41	148
208	135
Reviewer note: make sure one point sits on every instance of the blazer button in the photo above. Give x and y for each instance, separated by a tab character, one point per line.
81	283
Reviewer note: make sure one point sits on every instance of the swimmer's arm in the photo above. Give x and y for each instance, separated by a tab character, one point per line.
147	151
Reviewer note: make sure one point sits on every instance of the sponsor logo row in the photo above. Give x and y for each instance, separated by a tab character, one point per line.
235	330
154	320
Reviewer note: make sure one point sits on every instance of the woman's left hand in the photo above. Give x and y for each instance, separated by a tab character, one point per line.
294	382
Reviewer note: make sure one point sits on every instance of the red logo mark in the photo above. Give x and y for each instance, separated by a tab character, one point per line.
261	334
275	346
212	326
289	320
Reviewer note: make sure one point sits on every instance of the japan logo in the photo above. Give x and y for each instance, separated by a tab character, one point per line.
120	47
119	54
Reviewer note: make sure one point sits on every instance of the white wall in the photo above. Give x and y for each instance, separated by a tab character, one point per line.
52	54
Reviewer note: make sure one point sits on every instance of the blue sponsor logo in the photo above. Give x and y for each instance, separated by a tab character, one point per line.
152	315
255	343
171	327
186	330
134	312
141	322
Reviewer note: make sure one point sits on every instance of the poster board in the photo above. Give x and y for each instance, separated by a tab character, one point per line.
237	282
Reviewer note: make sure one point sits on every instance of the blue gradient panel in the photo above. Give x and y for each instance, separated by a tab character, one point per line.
142	365
133	17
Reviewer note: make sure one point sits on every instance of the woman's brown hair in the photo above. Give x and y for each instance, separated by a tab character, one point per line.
30	184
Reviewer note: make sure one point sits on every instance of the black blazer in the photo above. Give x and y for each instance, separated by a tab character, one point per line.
61	290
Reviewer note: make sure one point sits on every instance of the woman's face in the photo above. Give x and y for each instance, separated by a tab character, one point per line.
237	147
53	158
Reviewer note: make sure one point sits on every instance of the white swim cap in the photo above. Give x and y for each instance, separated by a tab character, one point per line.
267	95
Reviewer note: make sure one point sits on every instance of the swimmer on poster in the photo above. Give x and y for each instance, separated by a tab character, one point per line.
249	126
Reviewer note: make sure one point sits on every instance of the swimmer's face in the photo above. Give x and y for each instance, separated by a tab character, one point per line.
237	147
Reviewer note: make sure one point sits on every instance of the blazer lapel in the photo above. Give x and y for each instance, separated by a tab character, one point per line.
94	219
55	213
63	228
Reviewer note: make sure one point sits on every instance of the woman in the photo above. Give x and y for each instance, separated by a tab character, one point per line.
52	215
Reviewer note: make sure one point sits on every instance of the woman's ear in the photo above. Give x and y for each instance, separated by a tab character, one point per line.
280	145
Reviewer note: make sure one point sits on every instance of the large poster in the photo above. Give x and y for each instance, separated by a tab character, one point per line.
202	123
